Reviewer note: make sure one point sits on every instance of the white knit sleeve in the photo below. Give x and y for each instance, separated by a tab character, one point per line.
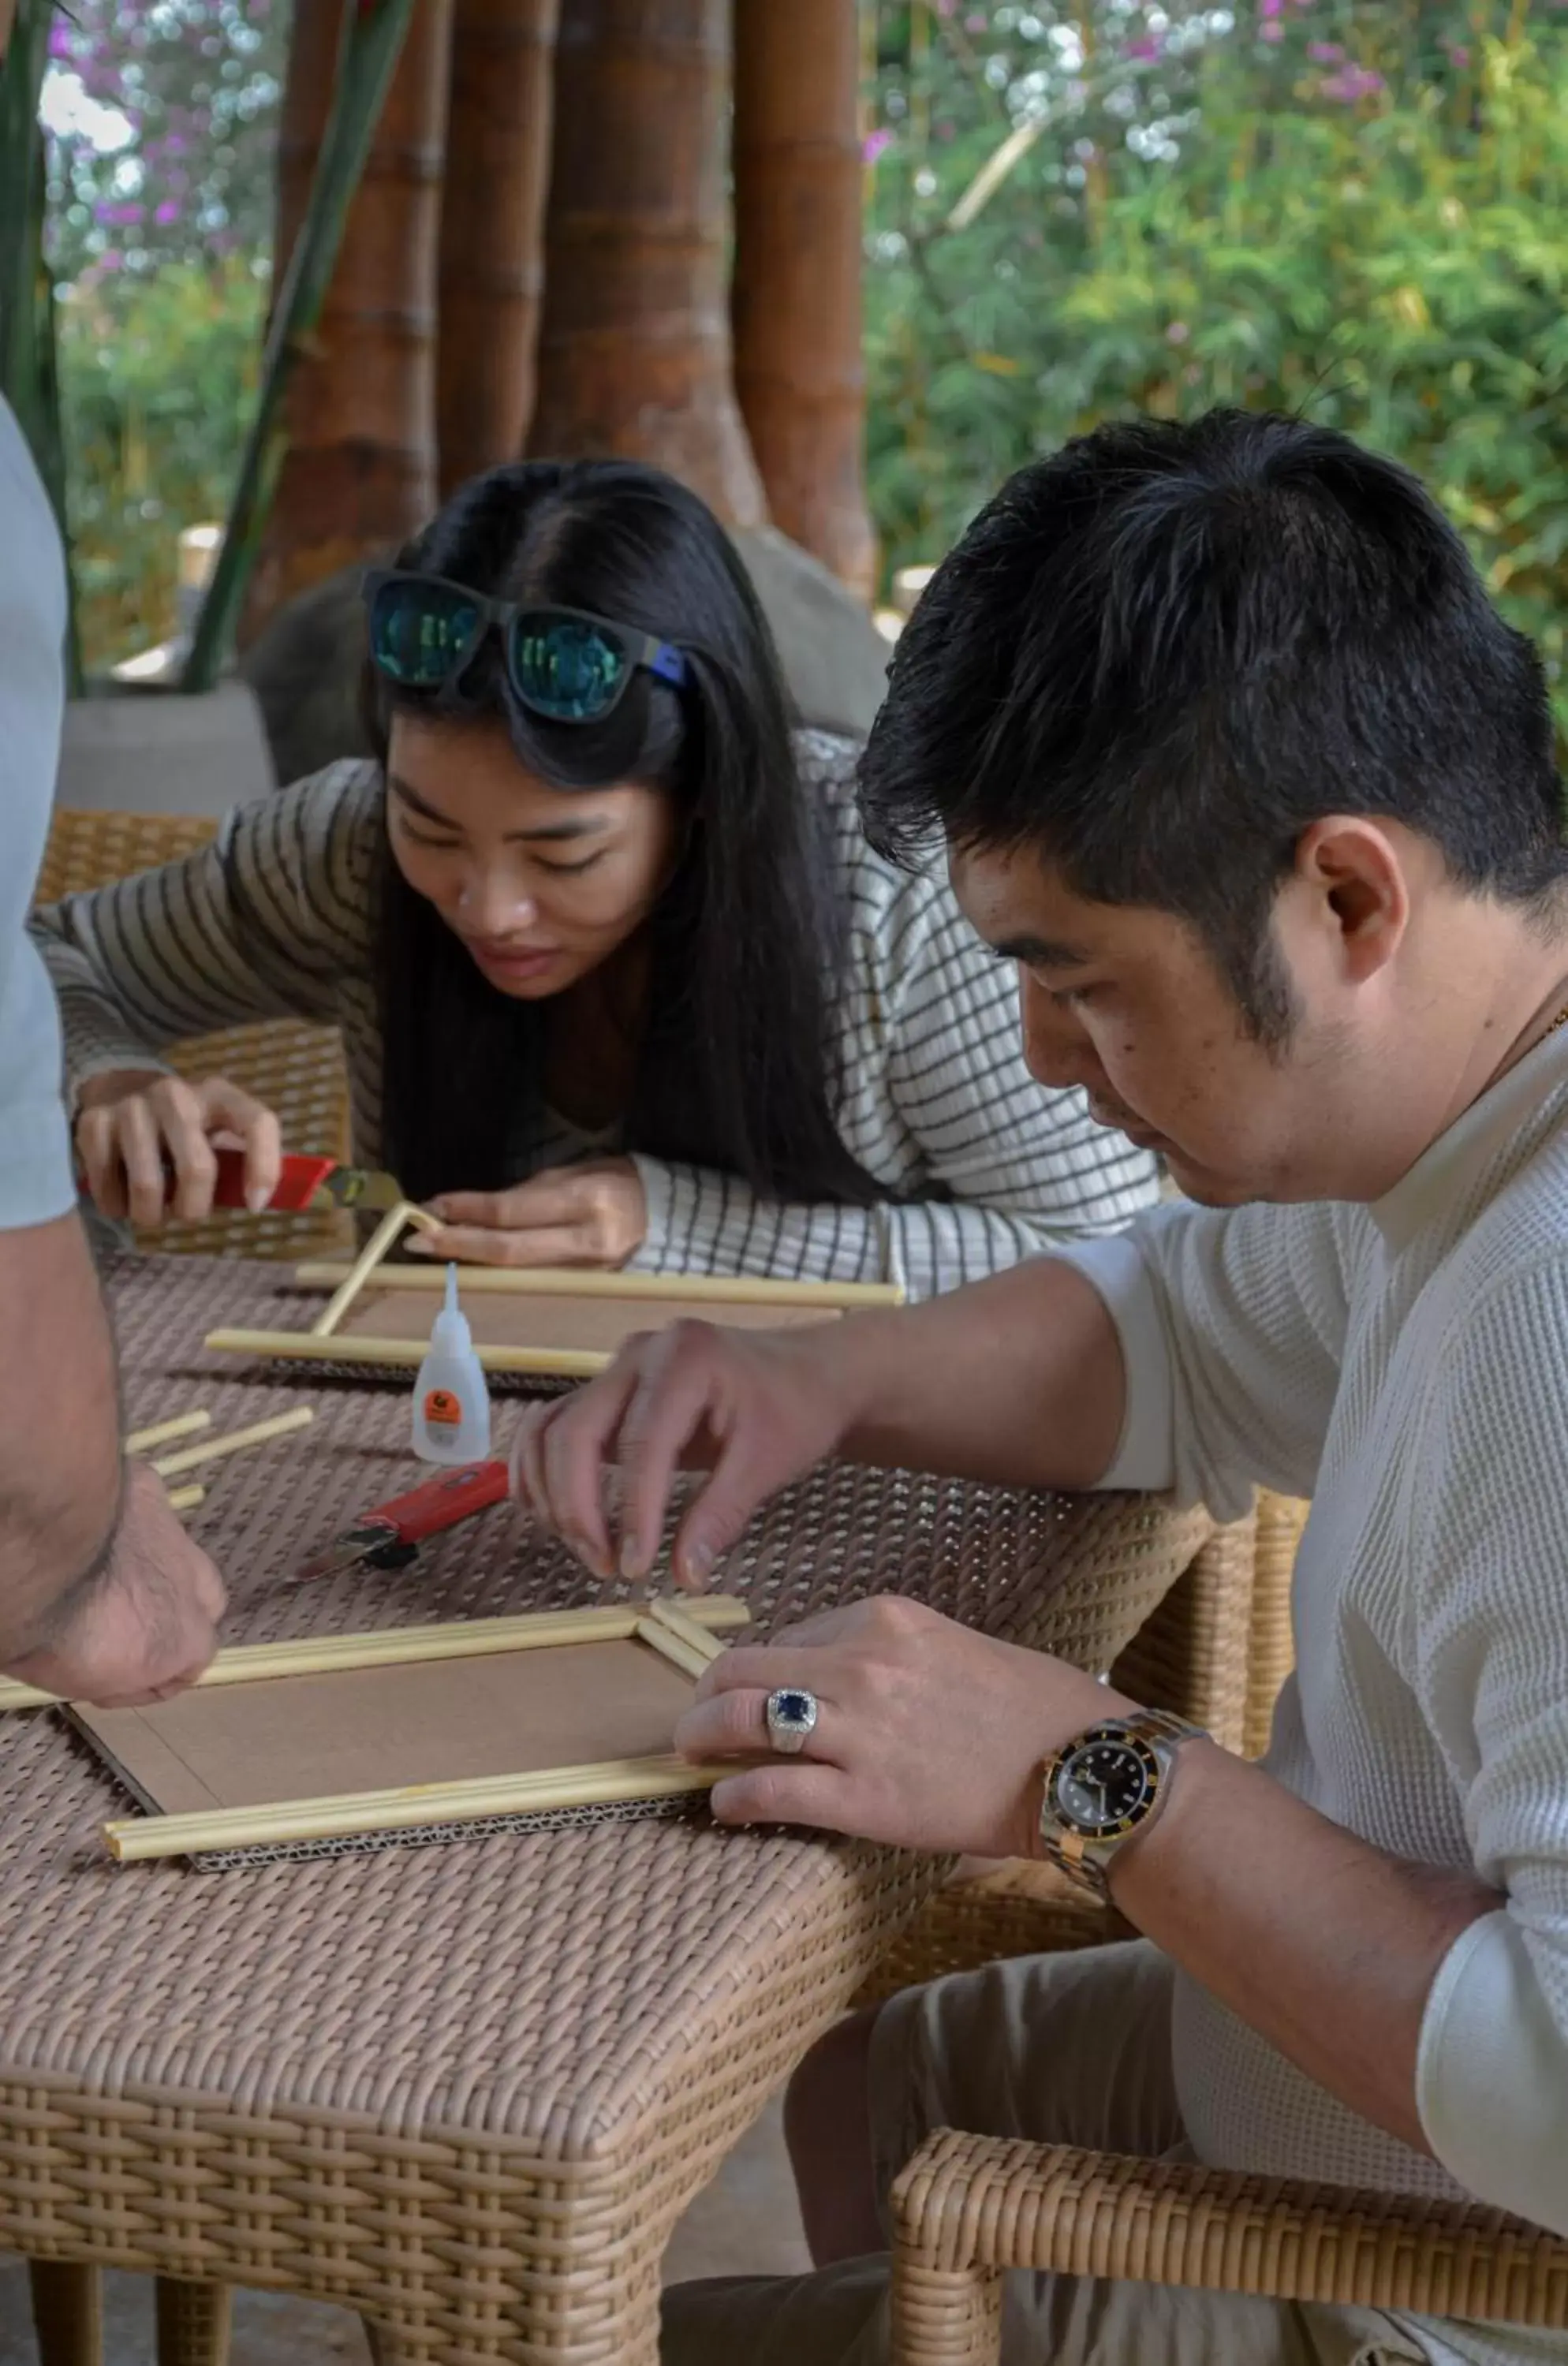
1231	1326
1488	1640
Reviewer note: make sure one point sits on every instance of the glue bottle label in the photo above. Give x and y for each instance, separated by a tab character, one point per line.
443	1409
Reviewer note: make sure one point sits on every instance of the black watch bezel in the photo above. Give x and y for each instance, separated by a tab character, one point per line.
1129	1745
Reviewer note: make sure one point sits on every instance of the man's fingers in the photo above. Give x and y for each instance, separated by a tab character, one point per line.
670	1406
735	1725
96	1148
573	1452
139	1144
787	1791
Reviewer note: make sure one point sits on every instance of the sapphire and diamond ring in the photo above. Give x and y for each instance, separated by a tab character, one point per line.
792	1716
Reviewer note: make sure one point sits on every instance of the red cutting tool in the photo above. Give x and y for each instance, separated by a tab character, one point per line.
308	1182
390	1536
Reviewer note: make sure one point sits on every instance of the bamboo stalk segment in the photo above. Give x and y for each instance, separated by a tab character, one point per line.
185	1499
213	1449
164	1432
311	1346
573	1281
315	1655
132	1837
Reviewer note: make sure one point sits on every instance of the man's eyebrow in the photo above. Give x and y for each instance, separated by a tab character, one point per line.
1044	952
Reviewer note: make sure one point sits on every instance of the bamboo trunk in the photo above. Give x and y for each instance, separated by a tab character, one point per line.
634	345
493	229
359	473
796	298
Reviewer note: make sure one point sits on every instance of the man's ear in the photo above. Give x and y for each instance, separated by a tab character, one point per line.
1354	873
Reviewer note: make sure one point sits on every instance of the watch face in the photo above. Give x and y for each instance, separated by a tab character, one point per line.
1105	1786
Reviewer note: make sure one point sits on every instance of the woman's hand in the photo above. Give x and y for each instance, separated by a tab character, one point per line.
146	1142
754	1408
594	1215
927	1734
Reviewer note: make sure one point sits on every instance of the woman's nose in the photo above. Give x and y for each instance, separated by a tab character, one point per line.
494	906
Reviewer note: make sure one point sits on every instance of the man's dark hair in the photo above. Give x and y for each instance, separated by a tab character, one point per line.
1158	657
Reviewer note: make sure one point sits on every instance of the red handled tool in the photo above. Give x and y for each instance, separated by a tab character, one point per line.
308	1183
390	1536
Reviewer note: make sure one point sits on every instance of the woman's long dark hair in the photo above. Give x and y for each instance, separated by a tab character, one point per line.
736	1068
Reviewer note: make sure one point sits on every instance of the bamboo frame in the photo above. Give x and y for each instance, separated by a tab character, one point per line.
164	1432
214	1449
573	1281
316	1655
323	1343
132	1839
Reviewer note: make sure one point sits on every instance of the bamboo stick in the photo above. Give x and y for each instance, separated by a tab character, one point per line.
390	1229
421	1805
470	1639
185	1499
672	1646
677	1620
573	1281
213	1449
311	1348
162	1433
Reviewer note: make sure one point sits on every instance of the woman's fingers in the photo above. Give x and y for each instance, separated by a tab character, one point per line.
477	1244
566	1461
225	1108
105	1176
677	1402
139	1145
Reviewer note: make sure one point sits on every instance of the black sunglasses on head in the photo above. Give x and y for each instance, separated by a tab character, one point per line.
562	663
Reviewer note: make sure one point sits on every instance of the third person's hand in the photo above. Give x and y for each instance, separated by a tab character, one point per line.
147	1143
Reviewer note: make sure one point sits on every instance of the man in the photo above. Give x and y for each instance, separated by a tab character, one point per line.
102	1594
1234	758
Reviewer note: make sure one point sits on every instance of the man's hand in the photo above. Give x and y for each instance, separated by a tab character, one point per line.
147	1625
927	1735
139	1127
755	1408
594	1215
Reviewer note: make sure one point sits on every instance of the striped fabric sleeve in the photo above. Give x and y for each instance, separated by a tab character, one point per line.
982	1164
266	922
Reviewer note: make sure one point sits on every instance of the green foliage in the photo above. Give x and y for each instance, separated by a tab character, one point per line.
157	379
1363	218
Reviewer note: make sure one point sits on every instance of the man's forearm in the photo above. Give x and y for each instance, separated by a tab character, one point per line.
1017	1381
1324	1944
60	1457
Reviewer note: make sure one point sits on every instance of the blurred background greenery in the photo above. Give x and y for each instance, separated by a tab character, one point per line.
1070	211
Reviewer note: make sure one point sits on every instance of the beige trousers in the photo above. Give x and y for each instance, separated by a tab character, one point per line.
1061	2049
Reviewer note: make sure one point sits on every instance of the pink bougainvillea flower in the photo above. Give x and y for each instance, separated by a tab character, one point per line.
875	144
1325	53
1145	48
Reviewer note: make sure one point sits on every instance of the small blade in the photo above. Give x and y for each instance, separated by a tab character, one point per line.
362	1186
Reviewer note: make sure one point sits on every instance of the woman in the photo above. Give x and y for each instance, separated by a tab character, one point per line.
618	979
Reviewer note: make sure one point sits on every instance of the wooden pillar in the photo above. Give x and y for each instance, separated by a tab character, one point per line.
360	470
633	346
796	302
498	162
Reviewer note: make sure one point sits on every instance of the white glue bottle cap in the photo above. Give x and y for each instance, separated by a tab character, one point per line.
451	1402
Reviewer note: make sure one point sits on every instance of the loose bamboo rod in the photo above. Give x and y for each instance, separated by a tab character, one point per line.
213	1449
310	1346
573	1281
390	1229
670	1646
677	1620
185	1499
421	1805
162	1433
470	1639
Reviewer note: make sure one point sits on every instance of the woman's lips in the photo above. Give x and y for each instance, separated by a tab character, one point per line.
513	962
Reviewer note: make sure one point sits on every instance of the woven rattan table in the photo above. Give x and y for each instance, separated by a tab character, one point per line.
465	2089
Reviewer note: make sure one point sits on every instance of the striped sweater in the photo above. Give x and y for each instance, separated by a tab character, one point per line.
276	918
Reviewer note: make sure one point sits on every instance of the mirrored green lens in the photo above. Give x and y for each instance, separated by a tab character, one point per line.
420	632
565	670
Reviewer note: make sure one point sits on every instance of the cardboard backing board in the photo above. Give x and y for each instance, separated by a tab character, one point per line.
596	1325
384	1728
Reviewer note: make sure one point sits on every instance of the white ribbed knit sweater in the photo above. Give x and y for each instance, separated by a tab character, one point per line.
1406	1365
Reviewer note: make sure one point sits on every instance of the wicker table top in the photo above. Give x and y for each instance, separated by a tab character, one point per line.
467	2088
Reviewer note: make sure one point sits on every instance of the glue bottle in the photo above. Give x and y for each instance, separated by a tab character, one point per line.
451	1403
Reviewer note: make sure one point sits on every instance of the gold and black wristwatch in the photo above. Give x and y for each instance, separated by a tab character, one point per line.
1106	1784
